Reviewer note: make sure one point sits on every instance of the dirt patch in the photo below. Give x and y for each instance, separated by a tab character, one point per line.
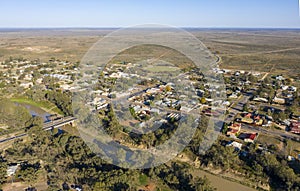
18	186
149	187
41	49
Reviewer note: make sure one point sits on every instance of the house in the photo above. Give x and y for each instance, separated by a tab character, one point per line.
279	100
290	158
295	127
247	120
292	88
234	129
235	144
250	137
226	103
284	87
280	78
259	122
248	115
233	96
173	116
11	170
259	99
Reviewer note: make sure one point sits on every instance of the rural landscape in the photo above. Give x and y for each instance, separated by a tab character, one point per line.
153	95
257	148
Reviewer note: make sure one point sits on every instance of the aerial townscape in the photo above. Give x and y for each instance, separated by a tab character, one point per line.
229	121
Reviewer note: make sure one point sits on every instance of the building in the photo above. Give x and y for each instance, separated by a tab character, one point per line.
250	137
259	99
279	100
247	120
11	170
234	129
259	122
235	144
295	127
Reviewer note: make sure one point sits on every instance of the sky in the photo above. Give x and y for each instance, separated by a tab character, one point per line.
125	13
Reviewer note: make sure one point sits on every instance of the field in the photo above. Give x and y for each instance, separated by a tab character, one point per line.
274	51
161	69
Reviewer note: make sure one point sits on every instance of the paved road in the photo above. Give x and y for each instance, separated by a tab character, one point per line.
274	132
58	123
47	126
12	138
237	107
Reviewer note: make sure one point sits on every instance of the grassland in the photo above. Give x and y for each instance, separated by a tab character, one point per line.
161	69
275	51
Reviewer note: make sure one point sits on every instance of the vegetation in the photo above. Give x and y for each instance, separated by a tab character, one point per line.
67	160
14	116
266	167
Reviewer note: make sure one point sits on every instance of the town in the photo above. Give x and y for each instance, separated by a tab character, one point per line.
258	106
256	102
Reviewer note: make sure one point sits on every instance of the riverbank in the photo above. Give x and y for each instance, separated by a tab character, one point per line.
223	181
45	105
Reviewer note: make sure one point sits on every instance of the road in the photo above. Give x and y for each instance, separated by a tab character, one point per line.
237	107
274	132
47	126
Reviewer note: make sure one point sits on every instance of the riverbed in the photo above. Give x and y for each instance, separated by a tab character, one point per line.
36	111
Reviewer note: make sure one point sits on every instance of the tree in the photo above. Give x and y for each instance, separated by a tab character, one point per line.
202	184
168	88
29	172
225	128
203	100
3	171
252	78
246	107
15	116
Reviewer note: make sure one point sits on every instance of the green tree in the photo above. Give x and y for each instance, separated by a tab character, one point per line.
3	171
203	184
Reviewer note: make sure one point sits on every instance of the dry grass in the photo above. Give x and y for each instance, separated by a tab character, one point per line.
275	51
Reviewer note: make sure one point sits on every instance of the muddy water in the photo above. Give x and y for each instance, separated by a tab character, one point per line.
36	111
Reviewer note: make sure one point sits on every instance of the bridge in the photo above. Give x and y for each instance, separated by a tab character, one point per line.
58	123
46	127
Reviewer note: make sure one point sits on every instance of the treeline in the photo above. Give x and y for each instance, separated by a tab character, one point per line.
262	167
66	160
16	117
63	100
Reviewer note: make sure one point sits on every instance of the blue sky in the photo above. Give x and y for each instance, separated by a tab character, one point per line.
121	13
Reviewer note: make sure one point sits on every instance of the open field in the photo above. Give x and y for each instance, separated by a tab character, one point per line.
275	51
161	69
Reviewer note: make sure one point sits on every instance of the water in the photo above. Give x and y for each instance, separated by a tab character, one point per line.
36	111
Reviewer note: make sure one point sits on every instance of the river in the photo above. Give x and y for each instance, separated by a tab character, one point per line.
36	111
218	182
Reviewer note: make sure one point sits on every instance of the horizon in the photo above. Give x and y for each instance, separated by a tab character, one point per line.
125	13
107	28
